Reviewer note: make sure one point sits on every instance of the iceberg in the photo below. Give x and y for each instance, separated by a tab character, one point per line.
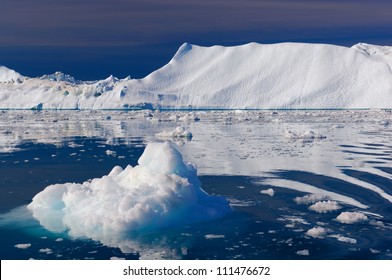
161	192
250	76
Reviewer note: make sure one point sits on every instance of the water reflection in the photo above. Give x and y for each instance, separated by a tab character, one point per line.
238	155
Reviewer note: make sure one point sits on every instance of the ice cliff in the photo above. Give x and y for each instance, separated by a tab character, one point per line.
251	76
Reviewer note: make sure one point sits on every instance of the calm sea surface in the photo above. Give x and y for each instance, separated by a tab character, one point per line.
288	176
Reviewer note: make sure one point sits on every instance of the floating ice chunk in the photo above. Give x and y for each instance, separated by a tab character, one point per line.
377	224
325	206
342	238
179	132
269	192
317	232
309	198
47	251
189	118
304	252
116	259
23	246
307	135
162	191
110	153
351	217
294	219
214	236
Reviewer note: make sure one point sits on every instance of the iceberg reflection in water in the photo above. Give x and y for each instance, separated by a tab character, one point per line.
319	181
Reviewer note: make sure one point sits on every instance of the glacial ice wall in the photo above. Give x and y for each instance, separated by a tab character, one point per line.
250	76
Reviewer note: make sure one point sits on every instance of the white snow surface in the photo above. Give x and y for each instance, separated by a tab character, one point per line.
342	238
307	135
250	76
325	206
162	191
304	252
317	232
23	246
178	132
377	53
269	192
9	76
351	217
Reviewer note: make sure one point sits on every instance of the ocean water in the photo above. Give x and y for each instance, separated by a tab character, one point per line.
288	176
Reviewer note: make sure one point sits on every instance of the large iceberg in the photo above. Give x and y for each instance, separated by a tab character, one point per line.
250	76
161	192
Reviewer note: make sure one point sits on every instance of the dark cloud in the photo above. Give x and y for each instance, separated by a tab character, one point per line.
94	38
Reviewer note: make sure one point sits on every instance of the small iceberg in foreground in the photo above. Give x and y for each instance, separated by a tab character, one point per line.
161	192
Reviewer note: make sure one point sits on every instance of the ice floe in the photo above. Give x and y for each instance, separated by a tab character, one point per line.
351	217
317	232
269	192
162	191
325	206
23	245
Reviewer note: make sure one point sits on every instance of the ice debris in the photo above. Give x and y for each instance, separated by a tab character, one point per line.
351	217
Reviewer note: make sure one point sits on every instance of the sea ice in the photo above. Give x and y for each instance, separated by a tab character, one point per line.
304	252
317	232
178	132
309	198
308	135
162	191
214	236
342	238
116	259
325	206
23	246
47	251
269	192
351	217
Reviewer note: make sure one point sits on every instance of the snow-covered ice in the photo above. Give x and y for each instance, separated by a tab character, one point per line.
269	192
304	252
342	238
351	217
8	76
317	232
308	135
162	191
309	198
178	132
250	76
214	236
23	245
325	206
47	251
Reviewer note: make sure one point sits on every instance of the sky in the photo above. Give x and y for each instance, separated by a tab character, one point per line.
92	39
